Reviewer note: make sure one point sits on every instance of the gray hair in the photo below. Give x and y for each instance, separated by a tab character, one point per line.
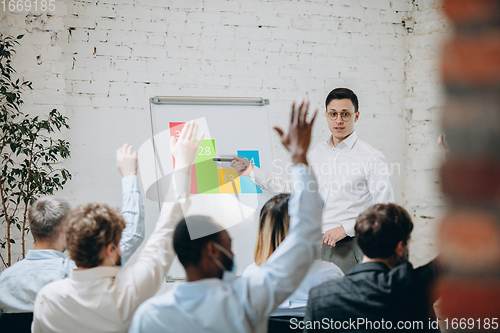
46	216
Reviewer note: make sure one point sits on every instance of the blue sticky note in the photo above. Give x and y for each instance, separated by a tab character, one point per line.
247	185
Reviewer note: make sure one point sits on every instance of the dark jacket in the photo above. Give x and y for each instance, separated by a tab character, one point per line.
372	292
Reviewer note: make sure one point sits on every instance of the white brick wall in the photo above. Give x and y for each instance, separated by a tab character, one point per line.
101	61
422	104
39	59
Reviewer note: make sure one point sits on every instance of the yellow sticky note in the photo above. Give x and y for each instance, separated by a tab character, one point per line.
229	182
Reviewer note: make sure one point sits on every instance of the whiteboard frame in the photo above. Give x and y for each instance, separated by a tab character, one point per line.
197	100
200	100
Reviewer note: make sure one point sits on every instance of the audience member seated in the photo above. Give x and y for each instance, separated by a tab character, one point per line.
212	300
273	228
99	296
384	292
20	283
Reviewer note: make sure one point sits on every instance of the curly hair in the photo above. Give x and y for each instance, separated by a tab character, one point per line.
89	228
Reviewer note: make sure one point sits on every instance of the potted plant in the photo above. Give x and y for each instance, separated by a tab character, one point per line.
28	152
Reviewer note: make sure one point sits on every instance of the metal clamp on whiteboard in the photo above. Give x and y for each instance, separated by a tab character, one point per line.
184	100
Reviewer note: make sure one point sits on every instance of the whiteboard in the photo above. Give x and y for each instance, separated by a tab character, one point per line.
232	126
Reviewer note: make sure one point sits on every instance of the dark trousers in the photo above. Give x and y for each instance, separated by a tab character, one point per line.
345	254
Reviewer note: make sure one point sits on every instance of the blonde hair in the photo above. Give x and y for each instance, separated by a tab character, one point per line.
274	223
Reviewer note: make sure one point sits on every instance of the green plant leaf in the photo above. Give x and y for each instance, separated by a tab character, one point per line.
24	178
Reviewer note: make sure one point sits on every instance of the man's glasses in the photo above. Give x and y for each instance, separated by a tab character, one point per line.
346	116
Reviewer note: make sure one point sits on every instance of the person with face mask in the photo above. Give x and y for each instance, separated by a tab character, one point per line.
99	295
212	300
384	287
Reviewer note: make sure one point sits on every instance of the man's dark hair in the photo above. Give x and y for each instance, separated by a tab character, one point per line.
188	249
380	228
342	93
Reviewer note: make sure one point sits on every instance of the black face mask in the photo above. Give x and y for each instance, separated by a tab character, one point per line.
227	265
228	262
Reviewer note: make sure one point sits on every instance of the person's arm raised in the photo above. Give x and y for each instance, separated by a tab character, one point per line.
132	206
283	272
155	259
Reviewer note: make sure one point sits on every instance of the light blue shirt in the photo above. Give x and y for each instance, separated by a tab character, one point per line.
244	305
20	283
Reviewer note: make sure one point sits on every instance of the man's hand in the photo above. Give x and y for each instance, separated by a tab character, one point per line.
298	138
186	147
126	160
332	236
243	167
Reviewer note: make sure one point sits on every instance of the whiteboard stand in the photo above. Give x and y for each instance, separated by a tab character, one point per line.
235	124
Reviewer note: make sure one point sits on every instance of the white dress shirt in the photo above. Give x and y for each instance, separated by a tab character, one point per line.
295	305
104	299
244	305
351	177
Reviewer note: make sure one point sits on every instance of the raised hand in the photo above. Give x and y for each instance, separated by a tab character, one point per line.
126	160
186	147
243	167
298	137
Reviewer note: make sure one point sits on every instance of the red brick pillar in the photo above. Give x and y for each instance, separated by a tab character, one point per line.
470	234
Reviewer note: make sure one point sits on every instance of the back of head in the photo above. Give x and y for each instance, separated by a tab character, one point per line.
46	217
89	228
380	228
189	250
274	223
342	93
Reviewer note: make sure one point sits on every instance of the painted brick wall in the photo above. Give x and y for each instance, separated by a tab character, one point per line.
102	60
423	103
39	59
